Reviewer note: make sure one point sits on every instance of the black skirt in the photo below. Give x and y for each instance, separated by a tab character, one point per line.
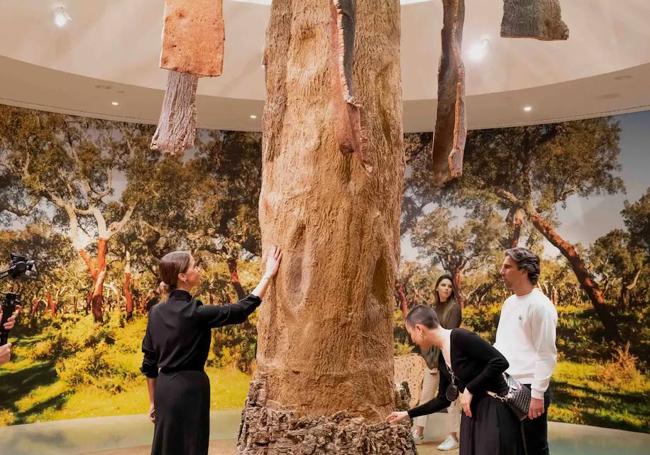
182	401
493	429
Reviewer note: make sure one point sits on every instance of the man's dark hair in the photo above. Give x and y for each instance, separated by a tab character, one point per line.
424	315
526	260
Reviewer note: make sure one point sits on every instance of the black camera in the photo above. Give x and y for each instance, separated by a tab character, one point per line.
18	267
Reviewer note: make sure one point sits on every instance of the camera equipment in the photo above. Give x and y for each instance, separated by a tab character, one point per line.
19	266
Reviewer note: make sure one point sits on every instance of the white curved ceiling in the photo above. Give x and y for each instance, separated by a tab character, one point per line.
112	46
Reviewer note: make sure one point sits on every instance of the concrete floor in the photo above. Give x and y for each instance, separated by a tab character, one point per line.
229	448
132	435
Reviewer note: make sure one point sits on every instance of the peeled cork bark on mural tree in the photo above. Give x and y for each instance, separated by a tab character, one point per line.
324	381
128	296
450	131
192	47
538	19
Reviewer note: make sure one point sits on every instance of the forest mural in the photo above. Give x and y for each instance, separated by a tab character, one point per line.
95	207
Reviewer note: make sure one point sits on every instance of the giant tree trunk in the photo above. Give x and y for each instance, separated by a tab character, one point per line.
97	273
582	273
324	382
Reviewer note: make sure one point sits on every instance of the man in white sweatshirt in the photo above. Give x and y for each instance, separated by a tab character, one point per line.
526	338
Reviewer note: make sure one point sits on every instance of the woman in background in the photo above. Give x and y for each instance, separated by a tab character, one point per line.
449	315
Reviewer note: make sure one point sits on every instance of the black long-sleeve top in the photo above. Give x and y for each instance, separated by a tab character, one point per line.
178	331
477	365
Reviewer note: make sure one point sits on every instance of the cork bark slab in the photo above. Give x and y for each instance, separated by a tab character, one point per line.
538	19
193	37
450	131
348	111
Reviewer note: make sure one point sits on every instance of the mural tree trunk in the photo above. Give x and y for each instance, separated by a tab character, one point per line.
128	296
97	272
234	278
325	351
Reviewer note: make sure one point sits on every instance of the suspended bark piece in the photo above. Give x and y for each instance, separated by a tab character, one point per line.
177	125
539	19
192	47
338	226
193	37
451	131
347	110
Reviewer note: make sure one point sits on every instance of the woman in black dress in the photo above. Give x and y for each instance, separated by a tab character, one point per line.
175	349
471	367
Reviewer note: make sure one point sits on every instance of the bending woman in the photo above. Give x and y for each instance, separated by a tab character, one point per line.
175	348
469	367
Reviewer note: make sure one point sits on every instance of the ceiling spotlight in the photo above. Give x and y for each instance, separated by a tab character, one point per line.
528	108
253	116
115	103
61	16
479	50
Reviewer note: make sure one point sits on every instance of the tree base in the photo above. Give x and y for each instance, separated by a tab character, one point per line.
271	431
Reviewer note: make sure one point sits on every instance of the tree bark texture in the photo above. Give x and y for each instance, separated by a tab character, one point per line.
539	19
324	382
451	130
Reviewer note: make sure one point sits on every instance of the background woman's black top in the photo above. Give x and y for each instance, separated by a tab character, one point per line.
477	365
178	331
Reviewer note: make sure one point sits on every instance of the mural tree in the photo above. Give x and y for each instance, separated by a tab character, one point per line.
534	169
69	166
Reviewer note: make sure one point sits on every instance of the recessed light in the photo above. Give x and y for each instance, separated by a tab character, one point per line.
61	16
115	103
479	50
528	108
253	116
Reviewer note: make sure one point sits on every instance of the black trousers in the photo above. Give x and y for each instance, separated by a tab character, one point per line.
182	402
535	432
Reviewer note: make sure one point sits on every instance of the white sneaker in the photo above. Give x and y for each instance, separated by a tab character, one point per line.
448	444
418	438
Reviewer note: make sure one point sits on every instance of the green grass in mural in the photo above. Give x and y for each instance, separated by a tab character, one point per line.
34	390
75	369
583	395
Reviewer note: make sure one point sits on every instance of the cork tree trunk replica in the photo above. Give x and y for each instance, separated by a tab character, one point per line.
331	189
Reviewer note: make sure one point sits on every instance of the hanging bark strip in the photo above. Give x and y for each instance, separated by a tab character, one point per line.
538	19
451	130
347	110
192	47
